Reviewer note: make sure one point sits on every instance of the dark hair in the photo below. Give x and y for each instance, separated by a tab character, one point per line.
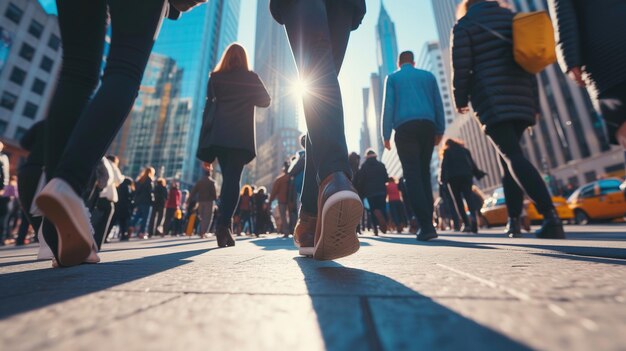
407	57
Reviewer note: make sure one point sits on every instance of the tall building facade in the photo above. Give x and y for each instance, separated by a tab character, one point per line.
277	126
194	43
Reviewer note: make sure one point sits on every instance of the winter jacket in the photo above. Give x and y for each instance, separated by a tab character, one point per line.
160	196
276	7
144	192
457	163
204	190
372	178
174	198
592	35
237	93
485	72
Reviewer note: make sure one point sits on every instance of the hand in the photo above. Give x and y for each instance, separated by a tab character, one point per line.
463	110
186	5
438	139
576	74
388	145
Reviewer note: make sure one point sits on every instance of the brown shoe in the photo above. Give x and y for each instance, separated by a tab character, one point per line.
339	213
304	234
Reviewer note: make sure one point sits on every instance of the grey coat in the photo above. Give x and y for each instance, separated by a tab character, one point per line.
485	72
276	7
592	35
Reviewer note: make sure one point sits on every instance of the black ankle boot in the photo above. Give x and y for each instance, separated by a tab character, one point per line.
224	236
514	228
552	228
474	223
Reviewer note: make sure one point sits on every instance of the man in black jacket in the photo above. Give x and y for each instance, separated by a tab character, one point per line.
371	182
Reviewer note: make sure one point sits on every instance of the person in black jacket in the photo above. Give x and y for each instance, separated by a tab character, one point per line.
234	90
371	182
318	32
457	172
592	50
158	207
505	98
124	207
144	198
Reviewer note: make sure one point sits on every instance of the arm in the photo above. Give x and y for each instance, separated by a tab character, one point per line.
440	120
213	191
567	34
261	96
389	109
461	66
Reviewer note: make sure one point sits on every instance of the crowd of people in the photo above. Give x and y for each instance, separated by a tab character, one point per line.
72	194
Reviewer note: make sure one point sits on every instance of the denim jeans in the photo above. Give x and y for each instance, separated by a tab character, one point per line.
232	162
318	32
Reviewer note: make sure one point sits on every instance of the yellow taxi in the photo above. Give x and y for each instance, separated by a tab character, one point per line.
601	200
494	212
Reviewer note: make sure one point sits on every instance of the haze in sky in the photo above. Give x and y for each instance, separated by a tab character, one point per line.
415	25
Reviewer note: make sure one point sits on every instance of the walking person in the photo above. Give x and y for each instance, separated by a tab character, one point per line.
592	49
30	172
233	93
80	124
158	208
318	32
172	206
204	194
144	198
5	201
413	107
371	182
124	207
280	192
245	210
506	100
396	205
105	205
457	174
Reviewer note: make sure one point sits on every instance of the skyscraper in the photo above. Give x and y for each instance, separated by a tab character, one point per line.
386	43
277	126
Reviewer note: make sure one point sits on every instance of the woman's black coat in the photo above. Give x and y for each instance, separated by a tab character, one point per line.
276	7
237	93
457	163
485	72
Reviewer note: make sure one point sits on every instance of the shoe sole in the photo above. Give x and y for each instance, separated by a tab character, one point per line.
73	247
306	251
341	215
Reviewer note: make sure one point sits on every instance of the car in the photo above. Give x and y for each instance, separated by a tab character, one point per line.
604	199
494	211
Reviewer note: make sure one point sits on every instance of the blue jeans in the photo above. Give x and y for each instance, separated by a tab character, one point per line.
142	217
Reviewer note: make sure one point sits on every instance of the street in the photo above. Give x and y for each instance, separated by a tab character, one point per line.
460	292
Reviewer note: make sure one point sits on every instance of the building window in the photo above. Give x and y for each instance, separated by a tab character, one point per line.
14	13
27	52
30	110
46	64
18	76
8	101
54	42
35	29
3	127
19	133
38	86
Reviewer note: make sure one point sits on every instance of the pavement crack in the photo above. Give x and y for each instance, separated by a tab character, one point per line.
250	259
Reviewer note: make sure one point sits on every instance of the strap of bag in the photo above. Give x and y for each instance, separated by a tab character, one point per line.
493	32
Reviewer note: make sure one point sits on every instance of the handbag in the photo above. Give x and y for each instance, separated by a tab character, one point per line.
207	123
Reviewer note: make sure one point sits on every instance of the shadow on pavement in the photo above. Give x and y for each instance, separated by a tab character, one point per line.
411	241
280	243
42	287
360	310
585	259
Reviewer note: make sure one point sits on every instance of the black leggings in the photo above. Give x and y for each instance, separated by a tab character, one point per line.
231	163
519	174
461	189
318	32
81	127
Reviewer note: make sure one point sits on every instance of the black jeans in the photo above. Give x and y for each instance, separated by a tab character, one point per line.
318	32
81	125
461	189
519	174
231	163
101	220
377	203
415	142
613	109
156	219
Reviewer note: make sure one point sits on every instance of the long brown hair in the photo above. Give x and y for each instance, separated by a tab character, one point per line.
235	58
449	143
148	172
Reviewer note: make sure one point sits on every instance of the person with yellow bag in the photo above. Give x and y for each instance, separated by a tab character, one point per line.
488	72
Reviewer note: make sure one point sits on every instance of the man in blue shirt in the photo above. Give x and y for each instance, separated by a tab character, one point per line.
413	108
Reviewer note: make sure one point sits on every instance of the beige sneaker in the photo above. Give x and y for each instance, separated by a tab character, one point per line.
304	234
339	213
66	210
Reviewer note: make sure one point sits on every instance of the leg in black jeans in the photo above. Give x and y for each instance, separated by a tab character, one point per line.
415	142
513	194
461	189
105	210
318	32
231	163
506	138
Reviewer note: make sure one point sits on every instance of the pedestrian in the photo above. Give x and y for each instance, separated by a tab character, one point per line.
124	207
280	193
29	174
204	194
296	172
10	210
234	91
396	205
85	114
457	172
506	100
144	198
107	185
245	209
355	163
261	212
318	33
413	107
372	184
592	51
155	226
172	206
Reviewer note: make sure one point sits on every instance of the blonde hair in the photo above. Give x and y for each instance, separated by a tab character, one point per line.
148	172
235	57
247	190
464	6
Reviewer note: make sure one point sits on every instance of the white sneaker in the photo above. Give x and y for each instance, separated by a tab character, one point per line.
66	210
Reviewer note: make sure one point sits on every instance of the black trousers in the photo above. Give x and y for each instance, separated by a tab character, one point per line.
377	203
101	219
519	174
156	219
613	109
81	125
461	189
415	142
318	32
231	163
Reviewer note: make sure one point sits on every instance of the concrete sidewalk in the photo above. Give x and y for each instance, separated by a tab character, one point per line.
459	292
